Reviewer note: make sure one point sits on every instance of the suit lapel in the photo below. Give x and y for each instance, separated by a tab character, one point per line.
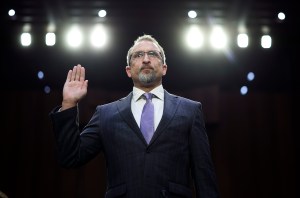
171	103
124	108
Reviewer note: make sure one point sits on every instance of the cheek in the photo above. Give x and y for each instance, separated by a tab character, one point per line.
134	70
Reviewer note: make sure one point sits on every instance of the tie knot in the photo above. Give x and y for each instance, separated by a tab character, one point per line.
148	96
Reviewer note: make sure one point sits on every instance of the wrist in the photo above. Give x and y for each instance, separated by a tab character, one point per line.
66	105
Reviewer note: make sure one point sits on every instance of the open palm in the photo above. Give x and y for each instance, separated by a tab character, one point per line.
75	87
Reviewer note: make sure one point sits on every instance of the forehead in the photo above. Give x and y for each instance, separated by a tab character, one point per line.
145	46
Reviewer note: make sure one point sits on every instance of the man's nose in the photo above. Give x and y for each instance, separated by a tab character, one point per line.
146	58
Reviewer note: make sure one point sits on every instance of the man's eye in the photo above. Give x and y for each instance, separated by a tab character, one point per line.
137	55
152	54
140	54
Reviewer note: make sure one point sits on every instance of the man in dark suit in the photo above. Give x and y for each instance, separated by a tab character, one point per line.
158	164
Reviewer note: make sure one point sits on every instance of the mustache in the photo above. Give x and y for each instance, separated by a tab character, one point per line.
146	67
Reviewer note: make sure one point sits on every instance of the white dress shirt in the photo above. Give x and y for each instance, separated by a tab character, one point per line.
138	102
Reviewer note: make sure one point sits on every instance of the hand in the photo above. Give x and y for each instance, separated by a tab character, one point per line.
75	87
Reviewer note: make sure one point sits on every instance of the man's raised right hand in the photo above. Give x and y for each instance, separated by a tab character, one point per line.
75	87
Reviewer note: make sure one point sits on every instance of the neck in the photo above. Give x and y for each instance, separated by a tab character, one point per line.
147	89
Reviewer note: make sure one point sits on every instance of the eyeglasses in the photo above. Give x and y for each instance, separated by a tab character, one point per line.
150	54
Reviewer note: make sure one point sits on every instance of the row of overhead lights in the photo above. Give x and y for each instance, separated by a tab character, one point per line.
194	37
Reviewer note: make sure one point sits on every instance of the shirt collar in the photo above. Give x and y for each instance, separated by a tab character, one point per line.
157	91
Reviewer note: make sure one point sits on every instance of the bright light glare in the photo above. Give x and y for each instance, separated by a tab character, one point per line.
250	76
266	41
40	75
74	37
98	36
244	90
194	37
242	40
50	39
11	12
25	39
192	14
102	13
218	38
281	16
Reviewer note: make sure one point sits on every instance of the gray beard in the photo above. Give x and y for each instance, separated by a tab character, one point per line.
147	79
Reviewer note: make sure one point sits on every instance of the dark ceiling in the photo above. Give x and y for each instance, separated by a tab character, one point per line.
165	20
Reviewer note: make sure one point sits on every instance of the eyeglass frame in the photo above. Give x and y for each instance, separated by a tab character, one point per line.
160	56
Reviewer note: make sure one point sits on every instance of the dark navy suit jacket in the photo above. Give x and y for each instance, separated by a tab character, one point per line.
178	153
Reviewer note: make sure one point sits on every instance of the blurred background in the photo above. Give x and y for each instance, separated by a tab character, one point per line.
237	57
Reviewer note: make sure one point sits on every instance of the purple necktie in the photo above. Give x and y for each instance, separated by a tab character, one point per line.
147	118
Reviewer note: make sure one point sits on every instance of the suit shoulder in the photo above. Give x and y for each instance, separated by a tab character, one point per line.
186	100
112	103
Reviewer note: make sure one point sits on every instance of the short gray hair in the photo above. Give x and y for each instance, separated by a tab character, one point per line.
145	37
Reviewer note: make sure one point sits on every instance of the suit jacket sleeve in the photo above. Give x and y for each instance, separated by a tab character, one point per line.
201	163
72	150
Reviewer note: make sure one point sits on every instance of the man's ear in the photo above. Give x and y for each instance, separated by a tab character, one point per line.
128	71
165	68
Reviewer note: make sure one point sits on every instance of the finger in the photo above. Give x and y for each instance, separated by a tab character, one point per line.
85	83
82	74
73	73
69	76
78	72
